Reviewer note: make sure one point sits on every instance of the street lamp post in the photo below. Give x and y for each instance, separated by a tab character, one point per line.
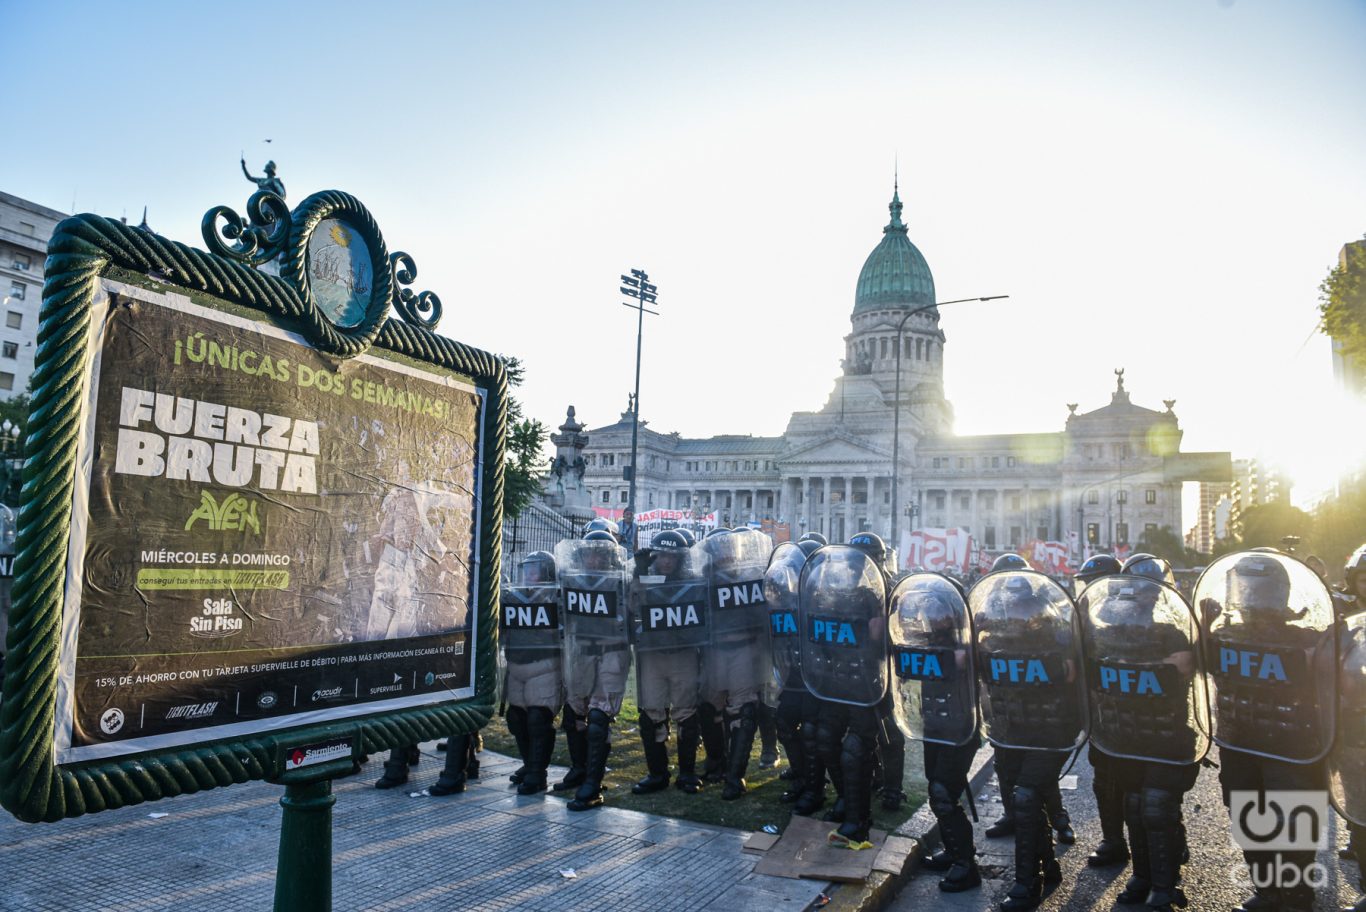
636	285
896	407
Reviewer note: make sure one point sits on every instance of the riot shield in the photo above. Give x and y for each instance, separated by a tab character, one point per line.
784	646
669	600
669	625
1347	762
1144	671
933	685
1027	644
736	662
530	618
842	613
592	580
1270	655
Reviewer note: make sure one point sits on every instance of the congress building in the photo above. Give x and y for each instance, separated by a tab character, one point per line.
1107	476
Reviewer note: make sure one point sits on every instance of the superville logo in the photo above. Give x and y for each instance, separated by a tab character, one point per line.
192	711
234	513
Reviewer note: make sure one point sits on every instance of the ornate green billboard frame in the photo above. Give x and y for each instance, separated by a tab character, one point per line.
83	250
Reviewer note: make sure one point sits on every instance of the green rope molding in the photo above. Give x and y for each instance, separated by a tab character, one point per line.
32	786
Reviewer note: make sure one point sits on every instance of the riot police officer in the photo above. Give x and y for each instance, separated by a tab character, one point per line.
735	664
597	656
843	620
669	617
933	693
1058	817
1027	647
784	693
1269	640
891	743
534	688
1112	849
1148	714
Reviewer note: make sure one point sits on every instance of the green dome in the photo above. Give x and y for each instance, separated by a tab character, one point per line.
895	273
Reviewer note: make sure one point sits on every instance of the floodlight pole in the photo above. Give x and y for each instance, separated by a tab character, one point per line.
636	285
896	408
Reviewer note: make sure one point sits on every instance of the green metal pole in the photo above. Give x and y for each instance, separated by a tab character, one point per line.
303	879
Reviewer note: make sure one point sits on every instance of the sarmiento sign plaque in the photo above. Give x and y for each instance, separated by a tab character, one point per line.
261	515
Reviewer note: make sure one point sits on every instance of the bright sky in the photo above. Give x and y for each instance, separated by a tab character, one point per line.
1158	185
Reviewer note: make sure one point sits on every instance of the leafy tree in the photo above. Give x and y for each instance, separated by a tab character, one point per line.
1168	545
1264	525
525	468
1342	297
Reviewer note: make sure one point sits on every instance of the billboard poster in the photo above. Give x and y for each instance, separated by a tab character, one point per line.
263	536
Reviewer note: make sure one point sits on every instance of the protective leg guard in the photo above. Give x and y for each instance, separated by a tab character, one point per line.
653	737
959	858
714	741
395	769
1058	818
1161	810
1112	849
540	745
517	727
1033	838
812	797
577	740
453	776
768	737
598	735
742	727
689	734
855	762
476	744
1140	882
1006	825
789	736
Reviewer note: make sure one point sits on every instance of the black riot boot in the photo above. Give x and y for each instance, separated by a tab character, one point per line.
1058	817
768	737
589	794
540	744
1033	841
742	728
656	756
472	755
959	858
714	741
893	754
1160	810
689	734
516	718
453	776
1112	849
395	769
856	762
1140	881
789	736
577	740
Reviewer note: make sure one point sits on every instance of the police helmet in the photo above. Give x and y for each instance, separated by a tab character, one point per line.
600	535
1098	566
870	544
719	530
1151	566
815	537
687	535
601	525
669	540
1009	561
537	567
1259	582
809	546
1355	565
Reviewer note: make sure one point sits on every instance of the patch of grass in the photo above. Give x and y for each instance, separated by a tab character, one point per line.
759	806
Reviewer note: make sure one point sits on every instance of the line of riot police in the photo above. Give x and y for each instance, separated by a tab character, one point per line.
850	660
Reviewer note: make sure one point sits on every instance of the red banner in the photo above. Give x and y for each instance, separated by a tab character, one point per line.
937	549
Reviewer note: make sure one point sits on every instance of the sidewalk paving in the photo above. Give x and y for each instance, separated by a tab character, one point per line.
487	849
1209	878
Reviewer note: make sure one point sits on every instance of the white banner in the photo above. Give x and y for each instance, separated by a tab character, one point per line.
936	549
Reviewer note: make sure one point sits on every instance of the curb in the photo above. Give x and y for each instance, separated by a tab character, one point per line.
878	891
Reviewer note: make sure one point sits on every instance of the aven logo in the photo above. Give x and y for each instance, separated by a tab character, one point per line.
193	711
235	512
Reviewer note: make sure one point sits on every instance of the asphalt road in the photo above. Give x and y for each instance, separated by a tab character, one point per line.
1210	880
